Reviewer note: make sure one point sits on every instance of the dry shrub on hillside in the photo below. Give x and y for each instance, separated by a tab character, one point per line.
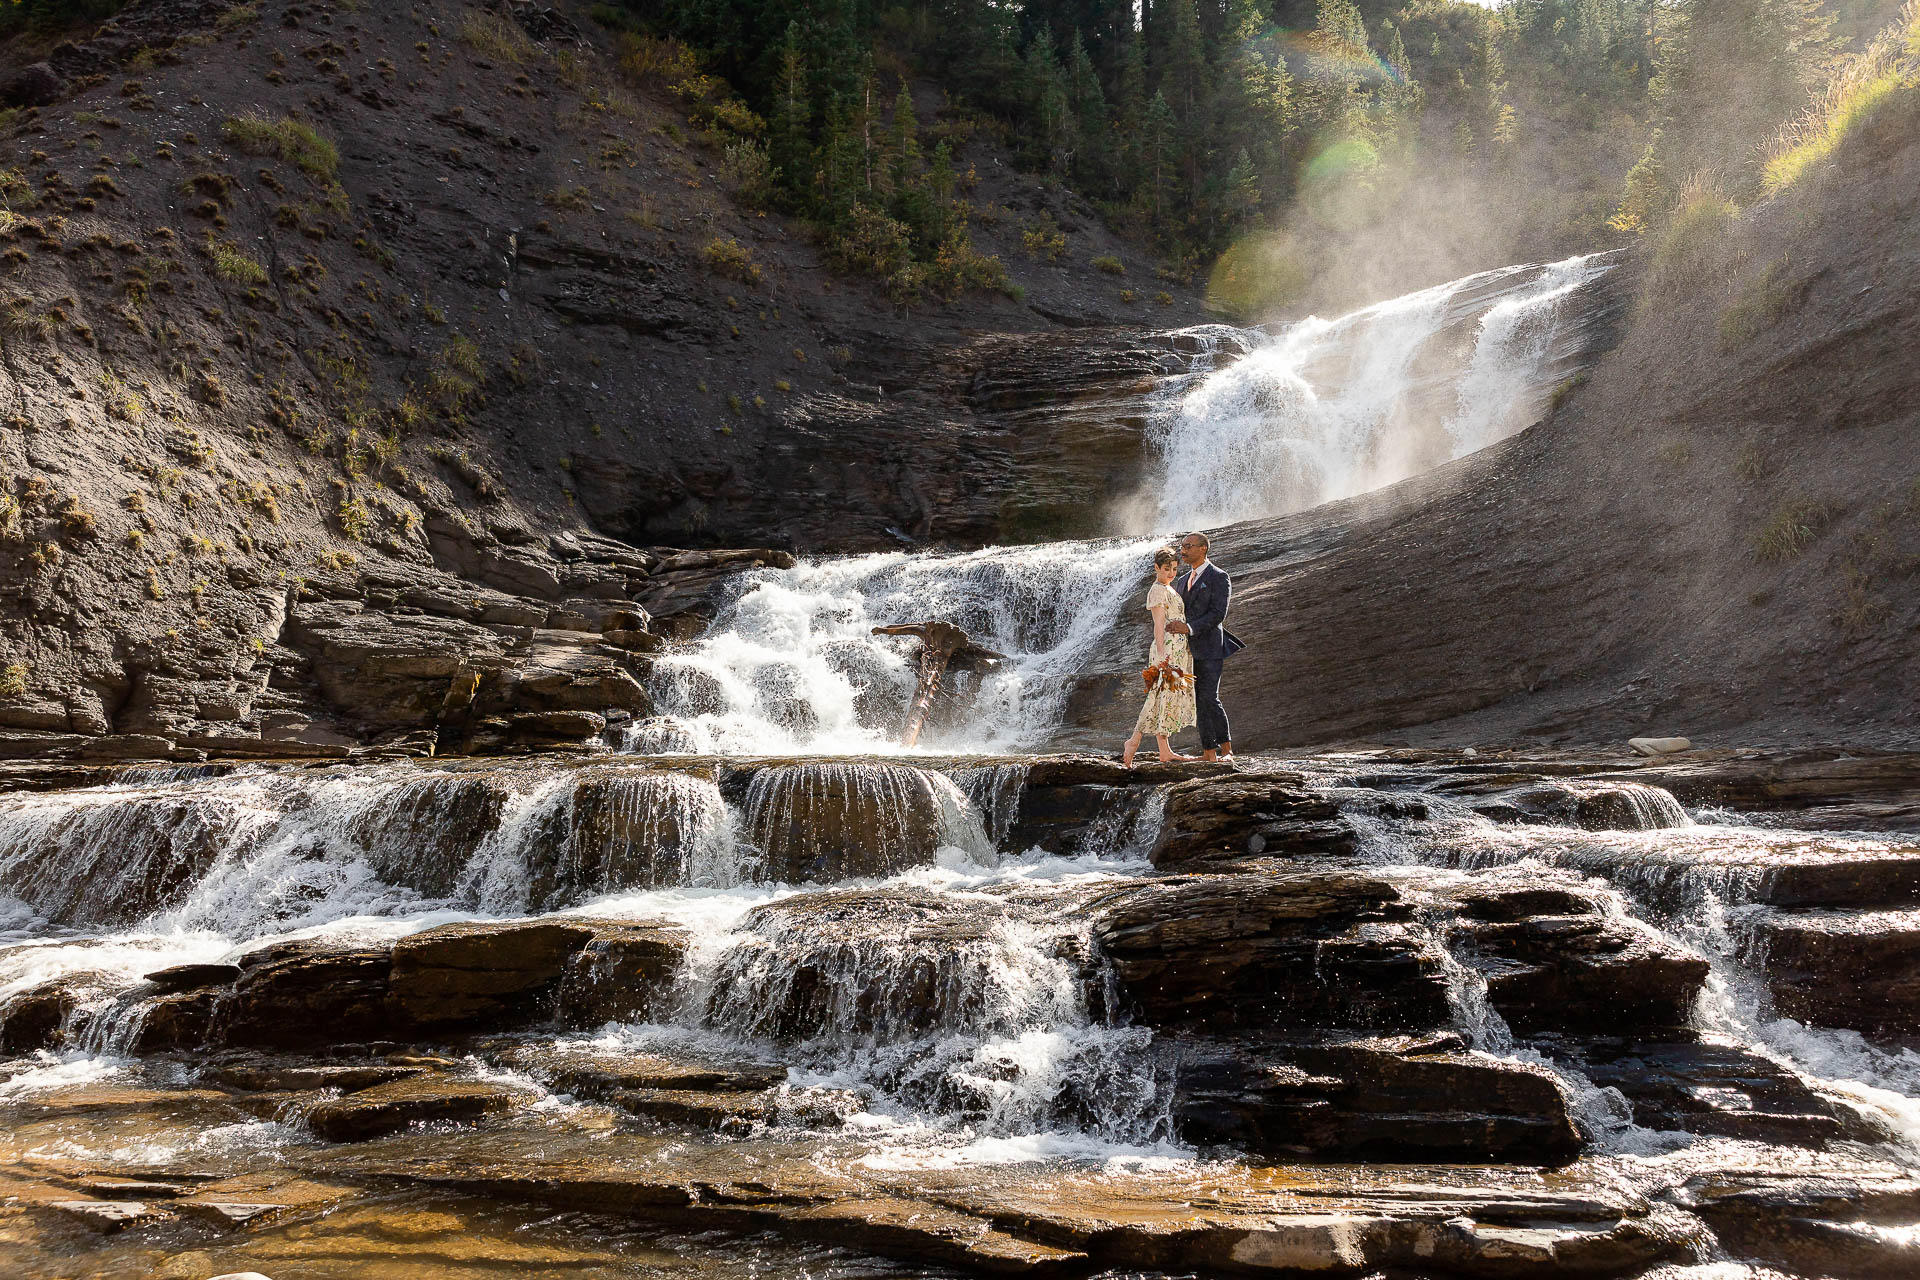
1886	70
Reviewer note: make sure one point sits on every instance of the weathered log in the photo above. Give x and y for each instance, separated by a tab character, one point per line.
942	646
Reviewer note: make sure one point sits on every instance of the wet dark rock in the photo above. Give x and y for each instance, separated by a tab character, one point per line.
625	973
46	1015
1214	822
482	975
1269	951
621	829
1380	1099
1853	879
182	1020
734	1111
190	977
1578	969
296	994
589	1072
109	1216
1719	1089
283	1077
877	963
422	833
1859	970
1860	1228
390	1108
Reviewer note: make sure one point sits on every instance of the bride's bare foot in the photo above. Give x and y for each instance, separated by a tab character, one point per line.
1127	749
1169	757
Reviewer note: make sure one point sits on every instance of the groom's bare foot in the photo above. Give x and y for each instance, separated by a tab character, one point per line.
1208	754
1226	751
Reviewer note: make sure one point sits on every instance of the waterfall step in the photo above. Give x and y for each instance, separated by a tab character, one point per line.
1859	970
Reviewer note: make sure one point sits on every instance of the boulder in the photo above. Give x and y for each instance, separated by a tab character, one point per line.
1555	961
390	1108
1659	746
1218	821
1397	1099
309	992
1272	951
625	973
482	975
1854	969
34	85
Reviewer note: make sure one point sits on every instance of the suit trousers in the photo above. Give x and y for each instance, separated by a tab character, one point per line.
1206	696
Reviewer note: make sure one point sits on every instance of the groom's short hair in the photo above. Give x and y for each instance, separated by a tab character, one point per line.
1200	538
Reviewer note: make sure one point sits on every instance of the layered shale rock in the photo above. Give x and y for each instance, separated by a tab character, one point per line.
1393	1098
1273	950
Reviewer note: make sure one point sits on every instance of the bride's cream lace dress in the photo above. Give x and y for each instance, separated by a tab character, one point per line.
1169	710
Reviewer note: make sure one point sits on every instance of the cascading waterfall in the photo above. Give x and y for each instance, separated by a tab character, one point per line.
1324	409
1696	882
792	664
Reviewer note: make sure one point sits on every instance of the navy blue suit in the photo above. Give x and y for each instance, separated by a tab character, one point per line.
1207	601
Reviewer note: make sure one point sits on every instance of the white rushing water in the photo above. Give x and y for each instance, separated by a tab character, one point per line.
1324	409
792	665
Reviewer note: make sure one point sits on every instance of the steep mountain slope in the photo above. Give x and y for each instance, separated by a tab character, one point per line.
1719	536
341	340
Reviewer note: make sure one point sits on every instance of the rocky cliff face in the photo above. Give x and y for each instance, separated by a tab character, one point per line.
365	374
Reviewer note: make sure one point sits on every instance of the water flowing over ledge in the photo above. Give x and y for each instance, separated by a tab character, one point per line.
1266	424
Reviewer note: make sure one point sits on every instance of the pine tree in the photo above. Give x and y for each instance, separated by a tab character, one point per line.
903	144
1241	196
789	144
1159	138
1087	104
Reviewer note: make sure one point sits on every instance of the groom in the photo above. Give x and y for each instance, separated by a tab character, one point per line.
1206	590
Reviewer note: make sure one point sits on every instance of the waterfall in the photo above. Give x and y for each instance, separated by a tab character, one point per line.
1324	409
964	1010
791	665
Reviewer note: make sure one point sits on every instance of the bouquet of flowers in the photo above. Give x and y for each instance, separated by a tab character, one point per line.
1166	676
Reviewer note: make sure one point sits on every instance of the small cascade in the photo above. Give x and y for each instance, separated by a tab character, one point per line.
829	820
979	1011
1324	409
1627	806
109	855
792	664
993	791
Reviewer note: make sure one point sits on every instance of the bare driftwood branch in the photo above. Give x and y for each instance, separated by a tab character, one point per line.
942	646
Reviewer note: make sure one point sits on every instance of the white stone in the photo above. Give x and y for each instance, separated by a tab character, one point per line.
1659	746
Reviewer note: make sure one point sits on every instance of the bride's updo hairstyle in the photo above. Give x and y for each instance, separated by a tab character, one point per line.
1164	557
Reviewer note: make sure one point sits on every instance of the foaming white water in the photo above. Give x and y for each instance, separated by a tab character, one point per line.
792	664
1324	409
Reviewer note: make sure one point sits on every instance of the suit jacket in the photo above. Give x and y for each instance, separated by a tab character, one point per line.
1206	603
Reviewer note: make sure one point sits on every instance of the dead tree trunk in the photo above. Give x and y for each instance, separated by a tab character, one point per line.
942	646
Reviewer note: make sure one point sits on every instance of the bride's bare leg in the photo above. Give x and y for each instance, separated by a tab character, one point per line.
1128	748
1167	754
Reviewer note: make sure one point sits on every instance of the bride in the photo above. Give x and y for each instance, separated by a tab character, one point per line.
1169	673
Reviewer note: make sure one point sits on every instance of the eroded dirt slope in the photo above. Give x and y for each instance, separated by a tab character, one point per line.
294	442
